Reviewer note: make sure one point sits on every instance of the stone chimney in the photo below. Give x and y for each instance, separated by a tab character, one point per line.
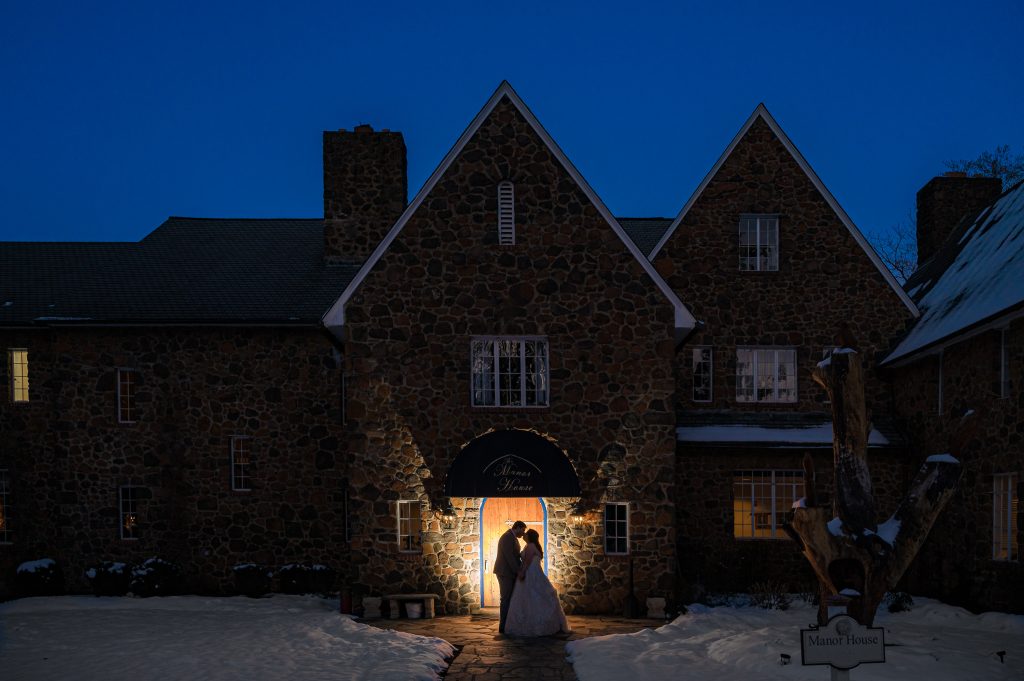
944	202
364	190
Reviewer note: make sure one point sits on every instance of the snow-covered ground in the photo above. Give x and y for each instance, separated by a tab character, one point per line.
933	642
84	638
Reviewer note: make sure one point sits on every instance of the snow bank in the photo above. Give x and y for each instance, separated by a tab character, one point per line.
33	565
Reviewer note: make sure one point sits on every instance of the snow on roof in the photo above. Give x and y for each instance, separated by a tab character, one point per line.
977	275
790	435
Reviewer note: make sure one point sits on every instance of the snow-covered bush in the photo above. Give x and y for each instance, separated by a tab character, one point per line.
304	578
321	578
41	577
155	577
252	580
770	596
899	601
109	578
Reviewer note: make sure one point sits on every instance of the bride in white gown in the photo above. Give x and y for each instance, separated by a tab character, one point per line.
534	610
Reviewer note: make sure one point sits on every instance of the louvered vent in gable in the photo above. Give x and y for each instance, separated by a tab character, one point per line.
506	213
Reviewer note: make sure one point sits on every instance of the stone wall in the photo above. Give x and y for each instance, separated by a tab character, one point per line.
956	562
68	454
824	280
568	278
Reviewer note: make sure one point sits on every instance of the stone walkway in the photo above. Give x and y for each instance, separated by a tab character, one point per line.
487	656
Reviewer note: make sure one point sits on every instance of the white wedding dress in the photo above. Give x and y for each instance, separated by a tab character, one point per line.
535	610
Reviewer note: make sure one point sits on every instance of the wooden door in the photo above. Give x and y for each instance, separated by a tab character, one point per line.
496	518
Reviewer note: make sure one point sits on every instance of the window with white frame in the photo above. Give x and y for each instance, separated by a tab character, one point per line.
1004	518
241	464
509	372
6	529
409	527
1004	364
506	214
17	365
759	243
702	374
761	501
765	374
126	395
128	498
616	528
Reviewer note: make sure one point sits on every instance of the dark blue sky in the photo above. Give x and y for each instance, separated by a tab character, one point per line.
115	116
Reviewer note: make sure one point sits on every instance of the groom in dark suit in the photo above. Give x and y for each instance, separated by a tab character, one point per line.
506	567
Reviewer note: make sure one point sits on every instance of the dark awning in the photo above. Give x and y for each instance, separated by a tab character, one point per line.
512	463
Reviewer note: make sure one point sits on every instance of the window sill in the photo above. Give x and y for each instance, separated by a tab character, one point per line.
508	410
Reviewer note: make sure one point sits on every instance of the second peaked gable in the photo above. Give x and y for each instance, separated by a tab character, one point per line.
458	204
762	172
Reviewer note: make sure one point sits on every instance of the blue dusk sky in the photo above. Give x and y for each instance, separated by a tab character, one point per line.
115	116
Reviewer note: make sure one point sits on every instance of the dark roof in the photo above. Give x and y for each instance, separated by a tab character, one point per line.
188	270
801	430
977	275
645	232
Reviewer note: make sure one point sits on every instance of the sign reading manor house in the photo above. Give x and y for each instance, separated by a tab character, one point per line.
843	643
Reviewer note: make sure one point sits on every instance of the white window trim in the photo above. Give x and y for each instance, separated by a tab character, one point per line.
121	514
11	390
237	475
400	535
131	406
1004	488
1004	364
605	520
775	379
506	214
777	531
522	340
757	217
711	375
5	504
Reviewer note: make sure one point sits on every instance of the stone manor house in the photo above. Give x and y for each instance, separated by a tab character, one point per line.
385	389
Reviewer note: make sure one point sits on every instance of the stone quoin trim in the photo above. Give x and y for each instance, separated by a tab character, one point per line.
334	320
762	112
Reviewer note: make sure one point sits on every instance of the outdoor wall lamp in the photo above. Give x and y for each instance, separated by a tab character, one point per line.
445	512
578	513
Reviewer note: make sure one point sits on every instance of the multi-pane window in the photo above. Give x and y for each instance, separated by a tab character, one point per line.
1004	517
409	526
702	374
17	364
509	372
241	464
129	512
616	528
1004	365
6	530
761	500
759	243
765	375
506	214
126	395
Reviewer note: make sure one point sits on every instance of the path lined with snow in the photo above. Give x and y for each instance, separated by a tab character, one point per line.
190	637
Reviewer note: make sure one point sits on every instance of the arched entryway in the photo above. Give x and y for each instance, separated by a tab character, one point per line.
496	516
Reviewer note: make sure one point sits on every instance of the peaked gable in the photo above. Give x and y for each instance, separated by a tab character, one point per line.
761	112
335	318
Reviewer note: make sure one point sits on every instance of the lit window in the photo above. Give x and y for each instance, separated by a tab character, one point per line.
702	374
759	243
510	372
126	395
409	527
128	502
6	530
506	214
17	361
1004	518
241	462
765	375
761	500
616	528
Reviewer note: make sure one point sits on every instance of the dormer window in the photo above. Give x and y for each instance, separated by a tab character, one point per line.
506	214
759	243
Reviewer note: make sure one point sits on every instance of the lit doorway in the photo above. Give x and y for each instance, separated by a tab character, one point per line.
496	516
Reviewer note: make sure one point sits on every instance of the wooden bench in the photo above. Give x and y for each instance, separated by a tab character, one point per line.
427	599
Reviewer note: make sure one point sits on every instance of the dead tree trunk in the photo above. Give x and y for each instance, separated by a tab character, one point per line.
845	546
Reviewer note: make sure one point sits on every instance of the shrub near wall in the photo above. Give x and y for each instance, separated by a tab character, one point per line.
41	577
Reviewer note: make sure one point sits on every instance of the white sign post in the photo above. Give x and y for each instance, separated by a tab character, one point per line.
843	643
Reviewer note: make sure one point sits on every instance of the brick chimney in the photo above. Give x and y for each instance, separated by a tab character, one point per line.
364	190
944	202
